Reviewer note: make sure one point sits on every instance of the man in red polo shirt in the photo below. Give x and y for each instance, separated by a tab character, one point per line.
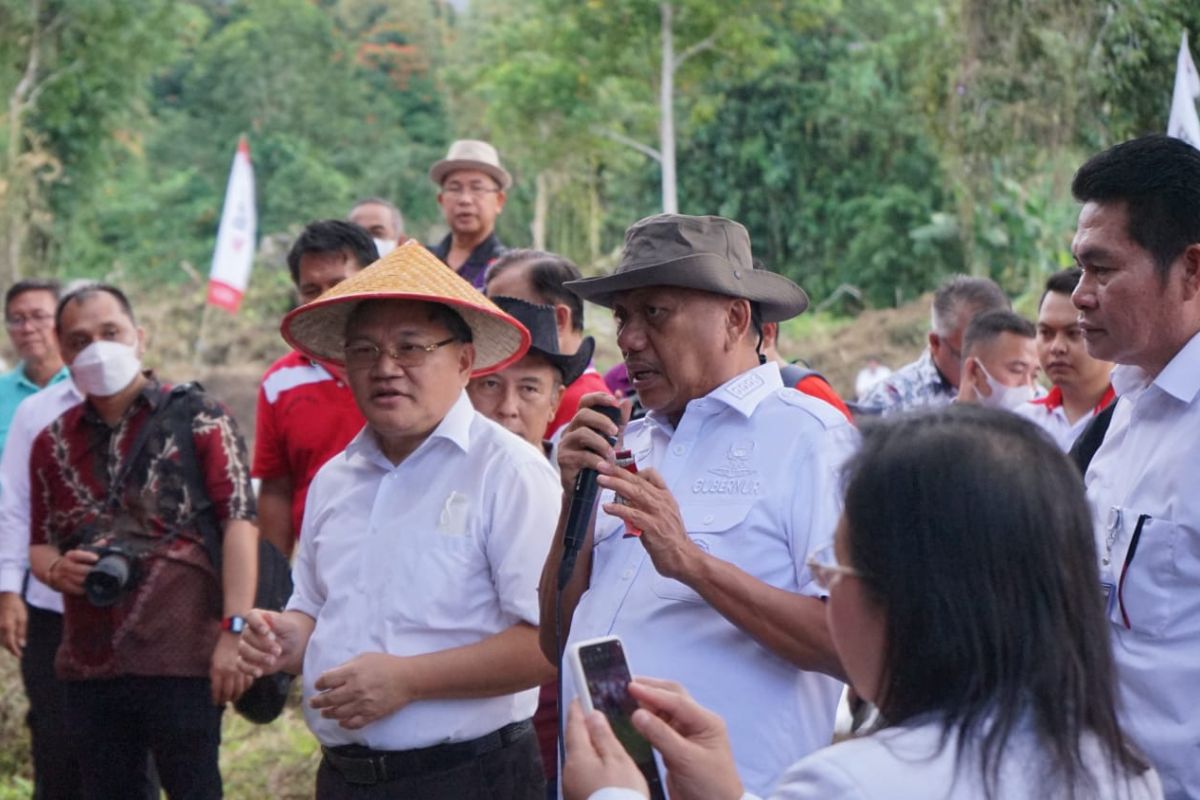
1081	383
538	277
306	413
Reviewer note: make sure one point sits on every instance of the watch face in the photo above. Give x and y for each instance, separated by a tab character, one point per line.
234	624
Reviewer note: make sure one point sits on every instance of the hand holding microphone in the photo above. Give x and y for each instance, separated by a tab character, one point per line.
582	443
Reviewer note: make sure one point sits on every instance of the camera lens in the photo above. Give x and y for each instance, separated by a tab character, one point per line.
107	580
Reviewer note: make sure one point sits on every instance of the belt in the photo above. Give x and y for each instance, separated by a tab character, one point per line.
362	765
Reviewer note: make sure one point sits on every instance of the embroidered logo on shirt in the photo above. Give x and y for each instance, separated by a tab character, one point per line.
453	520
745	386
739	453
735	474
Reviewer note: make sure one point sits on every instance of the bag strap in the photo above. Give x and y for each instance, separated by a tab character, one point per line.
164	397
1089	441
203	513
792	374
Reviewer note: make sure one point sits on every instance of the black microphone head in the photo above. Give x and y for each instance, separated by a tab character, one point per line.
612	412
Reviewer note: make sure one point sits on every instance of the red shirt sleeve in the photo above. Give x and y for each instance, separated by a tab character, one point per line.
588	382
815	386
222	456
270	458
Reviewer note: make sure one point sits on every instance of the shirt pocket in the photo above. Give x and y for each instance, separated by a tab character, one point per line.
711	527
1148	580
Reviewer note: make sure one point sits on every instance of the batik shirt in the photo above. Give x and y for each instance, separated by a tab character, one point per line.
916	385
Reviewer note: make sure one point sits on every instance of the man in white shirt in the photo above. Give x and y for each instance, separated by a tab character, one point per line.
1138	242
1081	388
736	485
33	630
414	617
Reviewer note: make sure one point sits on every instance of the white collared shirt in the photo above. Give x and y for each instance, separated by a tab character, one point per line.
753	467
441	551
1149	465
1049	414
32	415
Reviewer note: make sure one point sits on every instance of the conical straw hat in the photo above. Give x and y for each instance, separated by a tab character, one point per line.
410	272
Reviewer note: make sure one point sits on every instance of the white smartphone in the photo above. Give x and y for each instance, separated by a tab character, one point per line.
602	679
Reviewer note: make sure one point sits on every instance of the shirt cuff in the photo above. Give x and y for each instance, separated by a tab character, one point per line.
615	793
12	579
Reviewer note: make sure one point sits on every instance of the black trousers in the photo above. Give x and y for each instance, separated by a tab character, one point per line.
512	772
120	723
55	766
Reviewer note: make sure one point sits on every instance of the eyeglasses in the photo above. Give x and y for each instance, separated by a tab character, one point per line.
474	190
37	319
407	354
825	569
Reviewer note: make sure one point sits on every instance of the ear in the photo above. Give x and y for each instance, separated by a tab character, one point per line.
737	320
935	343
1191	271
556	396
466	362
141	341
562	319
973	372
500	198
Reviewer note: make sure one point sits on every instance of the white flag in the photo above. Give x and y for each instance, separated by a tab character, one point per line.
235	237
1184	124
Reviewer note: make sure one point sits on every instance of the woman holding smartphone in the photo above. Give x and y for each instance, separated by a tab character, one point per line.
965	602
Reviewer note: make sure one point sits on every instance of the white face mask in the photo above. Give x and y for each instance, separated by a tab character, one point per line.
104	368
1005	398
384	246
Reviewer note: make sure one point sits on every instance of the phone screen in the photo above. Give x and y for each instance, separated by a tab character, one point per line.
607	675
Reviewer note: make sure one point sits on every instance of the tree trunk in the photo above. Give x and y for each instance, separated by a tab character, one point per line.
541	205
666	112
14	189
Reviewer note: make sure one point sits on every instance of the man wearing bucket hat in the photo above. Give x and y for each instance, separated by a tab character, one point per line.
524	397
736	486
471	191
415	609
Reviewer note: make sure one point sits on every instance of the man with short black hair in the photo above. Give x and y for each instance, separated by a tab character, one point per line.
382	220
539	277
999	361
305	412
137	492
932	380
1081	387
1138	243
29	317
472	186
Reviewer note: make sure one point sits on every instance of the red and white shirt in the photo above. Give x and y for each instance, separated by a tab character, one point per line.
1048	414
305	416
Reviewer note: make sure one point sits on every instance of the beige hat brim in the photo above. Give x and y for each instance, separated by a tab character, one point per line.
439	171
410	272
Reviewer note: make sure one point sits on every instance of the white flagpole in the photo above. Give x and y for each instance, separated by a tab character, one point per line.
1184	123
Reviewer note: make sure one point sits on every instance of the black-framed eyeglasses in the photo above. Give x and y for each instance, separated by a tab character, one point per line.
407	354
36	318
474	190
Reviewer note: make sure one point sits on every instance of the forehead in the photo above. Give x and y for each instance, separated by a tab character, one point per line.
370	212
34	298
513	281
531	367
340	260
393	317
666	295
97	308
1057	310
469	176
1102	225
1008	347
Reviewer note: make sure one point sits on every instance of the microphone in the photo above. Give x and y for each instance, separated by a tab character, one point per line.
582	503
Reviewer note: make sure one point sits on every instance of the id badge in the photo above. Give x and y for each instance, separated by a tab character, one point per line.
1110	596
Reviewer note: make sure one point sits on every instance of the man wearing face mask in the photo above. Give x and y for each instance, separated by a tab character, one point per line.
999	361
128	487
382	220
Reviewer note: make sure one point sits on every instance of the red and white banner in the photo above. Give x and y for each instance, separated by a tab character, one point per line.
235	237
1184	123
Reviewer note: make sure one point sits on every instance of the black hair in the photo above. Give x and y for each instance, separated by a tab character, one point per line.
32	285
547	273
86	291
332	236
960	293
1158	179
1062	282
973	534
991	324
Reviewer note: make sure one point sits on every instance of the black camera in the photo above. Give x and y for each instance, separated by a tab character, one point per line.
112	576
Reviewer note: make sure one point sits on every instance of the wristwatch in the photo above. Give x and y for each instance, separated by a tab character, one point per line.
234	624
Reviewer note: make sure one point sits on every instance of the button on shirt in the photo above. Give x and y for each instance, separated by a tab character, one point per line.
1148	468
15	386
753	467
1048	414
32	415
440	551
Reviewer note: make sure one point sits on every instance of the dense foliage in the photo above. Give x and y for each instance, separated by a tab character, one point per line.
877	144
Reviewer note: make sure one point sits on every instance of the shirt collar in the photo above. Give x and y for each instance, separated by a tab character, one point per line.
23	379
929	370
1180	378
1054	399
454	427
742	393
